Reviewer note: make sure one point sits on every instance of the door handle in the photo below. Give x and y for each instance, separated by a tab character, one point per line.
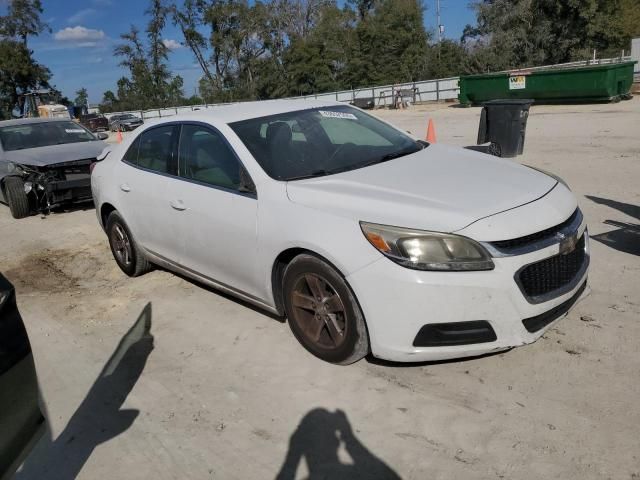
125	187
177	205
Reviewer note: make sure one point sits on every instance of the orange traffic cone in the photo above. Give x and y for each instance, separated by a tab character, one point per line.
119	136
431	132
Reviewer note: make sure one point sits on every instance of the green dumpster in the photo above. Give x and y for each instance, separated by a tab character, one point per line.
593	83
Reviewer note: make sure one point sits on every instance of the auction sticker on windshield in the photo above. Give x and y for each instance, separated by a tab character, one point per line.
73	130
328	114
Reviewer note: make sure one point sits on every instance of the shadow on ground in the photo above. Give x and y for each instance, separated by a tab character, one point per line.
100	416
479	148
626	237
318	439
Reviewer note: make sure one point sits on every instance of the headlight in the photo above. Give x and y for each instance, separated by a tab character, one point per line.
422	250
14	168
552	175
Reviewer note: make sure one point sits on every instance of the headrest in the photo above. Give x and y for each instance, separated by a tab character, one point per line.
279	132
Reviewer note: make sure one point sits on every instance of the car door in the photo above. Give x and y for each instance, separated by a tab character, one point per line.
146	178
21	420
220	208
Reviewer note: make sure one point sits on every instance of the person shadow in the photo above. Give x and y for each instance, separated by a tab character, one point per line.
318	439
100	416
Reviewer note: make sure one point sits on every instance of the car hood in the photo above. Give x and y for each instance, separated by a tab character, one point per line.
45	156
439	188
131	120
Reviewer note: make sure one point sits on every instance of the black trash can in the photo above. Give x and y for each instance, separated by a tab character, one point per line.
504	123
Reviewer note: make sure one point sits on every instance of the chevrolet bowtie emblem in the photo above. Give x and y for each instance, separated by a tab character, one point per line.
567	243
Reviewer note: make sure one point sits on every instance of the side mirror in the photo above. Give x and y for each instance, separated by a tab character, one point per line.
102	135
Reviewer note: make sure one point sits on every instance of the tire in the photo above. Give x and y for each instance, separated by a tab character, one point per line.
495	149
124	248
16	197
322	311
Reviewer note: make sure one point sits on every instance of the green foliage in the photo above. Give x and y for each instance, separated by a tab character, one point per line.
260	49
23	20
519	33
275	48
150	83
82	97
19	72
628	21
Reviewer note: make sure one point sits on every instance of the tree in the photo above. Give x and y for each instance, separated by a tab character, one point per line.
447	59
390	45
82	97
23	20
109	102
317	61
629	21
151	84
520	33
19	74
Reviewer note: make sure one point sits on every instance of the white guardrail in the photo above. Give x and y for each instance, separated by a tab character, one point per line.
383	96
424	91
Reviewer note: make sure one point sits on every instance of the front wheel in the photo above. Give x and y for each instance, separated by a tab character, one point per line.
322	311
17	198
125	250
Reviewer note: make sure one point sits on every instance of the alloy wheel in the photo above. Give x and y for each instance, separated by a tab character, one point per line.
121	245
319	311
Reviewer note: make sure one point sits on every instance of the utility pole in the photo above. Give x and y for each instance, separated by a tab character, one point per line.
440	26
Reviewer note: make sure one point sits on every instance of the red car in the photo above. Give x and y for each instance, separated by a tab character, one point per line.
95	122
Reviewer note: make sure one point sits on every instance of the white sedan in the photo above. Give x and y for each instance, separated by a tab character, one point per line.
367	240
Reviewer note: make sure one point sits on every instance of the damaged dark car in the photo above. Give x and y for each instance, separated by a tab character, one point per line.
45	163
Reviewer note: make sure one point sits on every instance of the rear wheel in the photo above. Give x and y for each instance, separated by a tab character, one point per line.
125	250
322	311
16	197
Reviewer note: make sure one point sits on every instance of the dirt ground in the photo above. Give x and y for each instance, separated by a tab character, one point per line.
228	393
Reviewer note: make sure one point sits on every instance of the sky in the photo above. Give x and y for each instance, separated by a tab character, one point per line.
79	50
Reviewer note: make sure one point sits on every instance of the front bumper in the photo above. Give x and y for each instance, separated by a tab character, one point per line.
398	302
69	191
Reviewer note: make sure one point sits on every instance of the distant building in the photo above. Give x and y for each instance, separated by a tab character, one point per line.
94	108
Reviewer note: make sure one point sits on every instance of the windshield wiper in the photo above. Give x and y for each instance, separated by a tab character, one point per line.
384	158
314	174
323	173
390	156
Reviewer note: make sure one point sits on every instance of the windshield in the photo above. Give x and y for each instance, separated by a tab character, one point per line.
321	141
34	135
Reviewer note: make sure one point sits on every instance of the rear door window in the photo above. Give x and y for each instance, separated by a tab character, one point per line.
156	150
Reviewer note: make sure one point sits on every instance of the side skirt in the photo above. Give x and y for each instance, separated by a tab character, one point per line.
175	267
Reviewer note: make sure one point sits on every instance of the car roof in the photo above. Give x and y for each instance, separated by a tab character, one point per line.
26	121
235	112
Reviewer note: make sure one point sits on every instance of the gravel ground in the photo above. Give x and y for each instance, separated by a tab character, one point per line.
228	393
